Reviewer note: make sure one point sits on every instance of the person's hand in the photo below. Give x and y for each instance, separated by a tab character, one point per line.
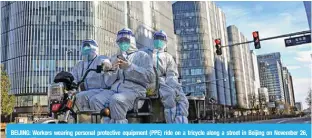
115	65
123	64
107	65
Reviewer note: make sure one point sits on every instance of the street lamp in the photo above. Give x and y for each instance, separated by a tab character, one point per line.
66	58
212	101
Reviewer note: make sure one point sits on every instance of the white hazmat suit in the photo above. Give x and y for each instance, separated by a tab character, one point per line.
171	93
131	81
94	82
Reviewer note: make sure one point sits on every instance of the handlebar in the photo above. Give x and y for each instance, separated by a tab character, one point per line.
98	69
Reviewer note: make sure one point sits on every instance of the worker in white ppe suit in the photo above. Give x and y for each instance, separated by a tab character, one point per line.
134	72
172	96
94	82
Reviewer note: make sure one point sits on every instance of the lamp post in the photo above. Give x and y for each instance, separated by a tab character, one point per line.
212	101
66	58
224	79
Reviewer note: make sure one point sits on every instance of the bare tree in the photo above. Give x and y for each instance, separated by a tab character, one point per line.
252	100
262	101
37	110
287	108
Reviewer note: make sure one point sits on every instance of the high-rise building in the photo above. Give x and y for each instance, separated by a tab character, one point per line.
291	90
44	38
243	69
288	87
232	84
198	24
298	105
145	17
307	5
255	76
271	77
292	93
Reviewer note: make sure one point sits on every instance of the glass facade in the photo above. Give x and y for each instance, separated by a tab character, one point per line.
242	62
285	83
255	76
42	38
198	24
271	77
289	99
291	91
145	17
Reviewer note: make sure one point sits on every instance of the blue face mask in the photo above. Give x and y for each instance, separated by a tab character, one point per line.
159	44
124	46
86	51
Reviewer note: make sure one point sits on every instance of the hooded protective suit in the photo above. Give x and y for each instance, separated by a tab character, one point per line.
131	82
94	82
171	93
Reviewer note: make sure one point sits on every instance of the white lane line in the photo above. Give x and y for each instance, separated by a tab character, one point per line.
281	121
286	120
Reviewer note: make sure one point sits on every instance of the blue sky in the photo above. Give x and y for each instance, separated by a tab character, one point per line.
272	19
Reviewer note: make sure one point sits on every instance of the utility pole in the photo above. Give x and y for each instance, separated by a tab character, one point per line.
66	58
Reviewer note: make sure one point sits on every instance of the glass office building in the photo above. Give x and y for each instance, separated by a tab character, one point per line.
288	87
271	77
146	17
255	76
41	38
198	24
241	59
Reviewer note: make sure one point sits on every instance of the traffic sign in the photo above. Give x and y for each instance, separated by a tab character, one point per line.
298	40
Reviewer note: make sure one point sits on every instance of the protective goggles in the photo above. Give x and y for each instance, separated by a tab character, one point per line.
123	39
160	37
89	43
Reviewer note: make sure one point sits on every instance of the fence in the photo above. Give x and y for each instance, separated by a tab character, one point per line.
252	118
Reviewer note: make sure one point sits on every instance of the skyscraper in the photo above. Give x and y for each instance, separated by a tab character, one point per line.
242	65
292	93
307	5
44	37
288	87
198	24
271	77
145	17
255	76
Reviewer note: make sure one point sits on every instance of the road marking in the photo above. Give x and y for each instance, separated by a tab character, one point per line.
286	120
279	122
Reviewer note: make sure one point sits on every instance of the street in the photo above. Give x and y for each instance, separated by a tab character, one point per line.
297	120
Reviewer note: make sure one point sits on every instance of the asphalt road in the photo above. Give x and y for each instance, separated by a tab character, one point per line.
297	120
